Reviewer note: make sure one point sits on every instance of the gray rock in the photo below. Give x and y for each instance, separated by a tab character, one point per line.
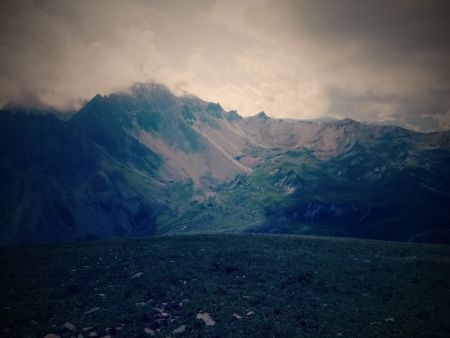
137	275
69	327
92	310
206	319
179	330
150	332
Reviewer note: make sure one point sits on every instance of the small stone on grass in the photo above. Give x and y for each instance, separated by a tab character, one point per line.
69	327
150	332
137	275
206	319
179	330
92	310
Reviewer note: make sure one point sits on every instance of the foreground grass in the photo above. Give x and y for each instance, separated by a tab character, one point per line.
250	285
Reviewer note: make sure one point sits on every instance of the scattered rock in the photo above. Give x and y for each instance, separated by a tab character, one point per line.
149	331
235	315
390	319
85	329
179	330
250	313
206	319
137	275
52	335
69	327
93	334
92	310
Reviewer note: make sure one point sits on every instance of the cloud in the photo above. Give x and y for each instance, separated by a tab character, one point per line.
374	61
65	52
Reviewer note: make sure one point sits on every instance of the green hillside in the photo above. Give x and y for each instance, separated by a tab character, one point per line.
249	285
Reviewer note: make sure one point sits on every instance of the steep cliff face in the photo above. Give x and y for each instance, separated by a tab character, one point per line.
61	183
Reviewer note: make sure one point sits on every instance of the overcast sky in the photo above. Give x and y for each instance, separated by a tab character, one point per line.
381	61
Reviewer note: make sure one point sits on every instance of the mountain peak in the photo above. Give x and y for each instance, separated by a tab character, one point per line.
346	122
262	116
215	109
233	115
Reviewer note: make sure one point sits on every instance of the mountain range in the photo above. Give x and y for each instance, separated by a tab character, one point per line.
147	162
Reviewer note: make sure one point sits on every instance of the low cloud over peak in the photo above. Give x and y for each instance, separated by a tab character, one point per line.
377	61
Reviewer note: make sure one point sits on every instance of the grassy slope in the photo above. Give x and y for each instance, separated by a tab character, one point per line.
294	285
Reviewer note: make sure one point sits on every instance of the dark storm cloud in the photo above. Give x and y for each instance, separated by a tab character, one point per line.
399	24
376	61
399	52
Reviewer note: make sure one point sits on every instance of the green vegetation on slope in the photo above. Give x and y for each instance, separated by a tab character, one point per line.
354	195
250	285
